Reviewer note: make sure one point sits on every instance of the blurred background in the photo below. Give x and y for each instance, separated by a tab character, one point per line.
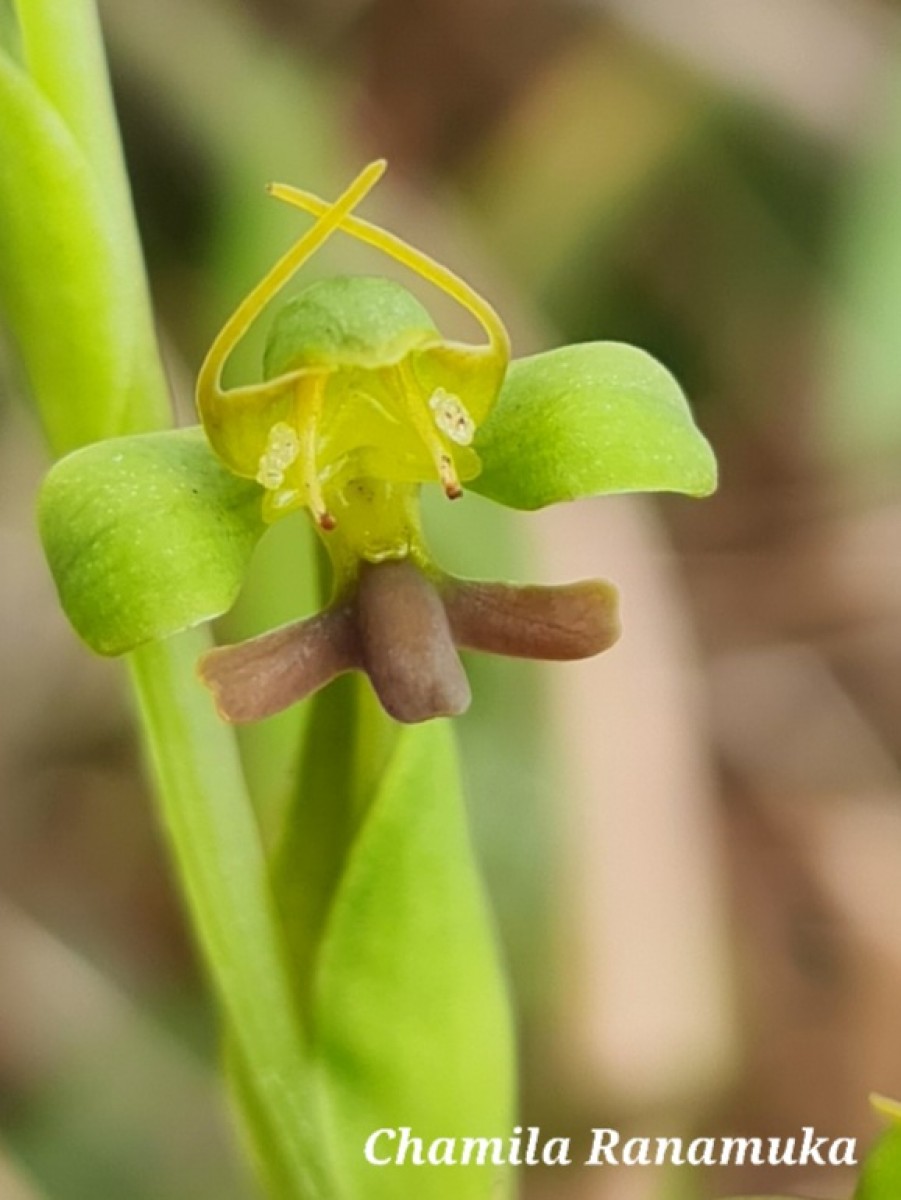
694	842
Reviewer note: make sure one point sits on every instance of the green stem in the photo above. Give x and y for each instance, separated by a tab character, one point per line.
223	869
205	805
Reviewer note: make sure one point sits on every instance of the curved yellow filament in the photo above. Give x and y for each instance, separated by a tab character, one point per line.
331	216
419	262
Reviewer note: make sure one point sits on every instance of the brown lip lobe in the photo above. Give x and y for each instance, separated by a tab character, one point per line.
557	624
407	646
403	630
261	677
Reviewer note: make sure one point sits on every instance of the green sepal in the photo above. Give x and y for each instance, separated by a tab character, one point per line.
587	420
346	320
146	536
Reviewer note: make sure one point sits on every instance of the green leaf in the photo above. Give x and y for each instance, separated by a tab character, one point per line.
146	536
410	1015
587	420
880	1175
393	948
409	1009
63	52
68	264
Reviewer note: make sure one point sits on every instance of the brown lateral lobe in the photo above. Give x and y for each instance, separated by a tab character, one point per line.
263	676
573	620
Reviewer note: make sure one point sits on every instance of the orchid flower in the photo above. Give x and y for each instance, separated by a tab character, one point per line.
362	402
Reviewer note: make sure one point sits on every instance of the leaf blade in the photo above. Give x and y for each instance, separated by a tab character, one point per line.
410	1017
880	1174
65	266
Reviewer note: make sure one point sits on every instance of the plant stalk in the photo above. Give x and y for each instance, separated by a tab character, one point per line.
205	805
216	843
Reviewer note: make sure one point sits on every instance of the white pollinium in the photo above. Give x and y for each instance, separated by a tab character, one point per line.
282	449
451	417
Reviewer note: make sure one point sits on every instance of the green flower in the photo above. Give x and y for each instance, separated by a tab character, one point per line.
362	402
